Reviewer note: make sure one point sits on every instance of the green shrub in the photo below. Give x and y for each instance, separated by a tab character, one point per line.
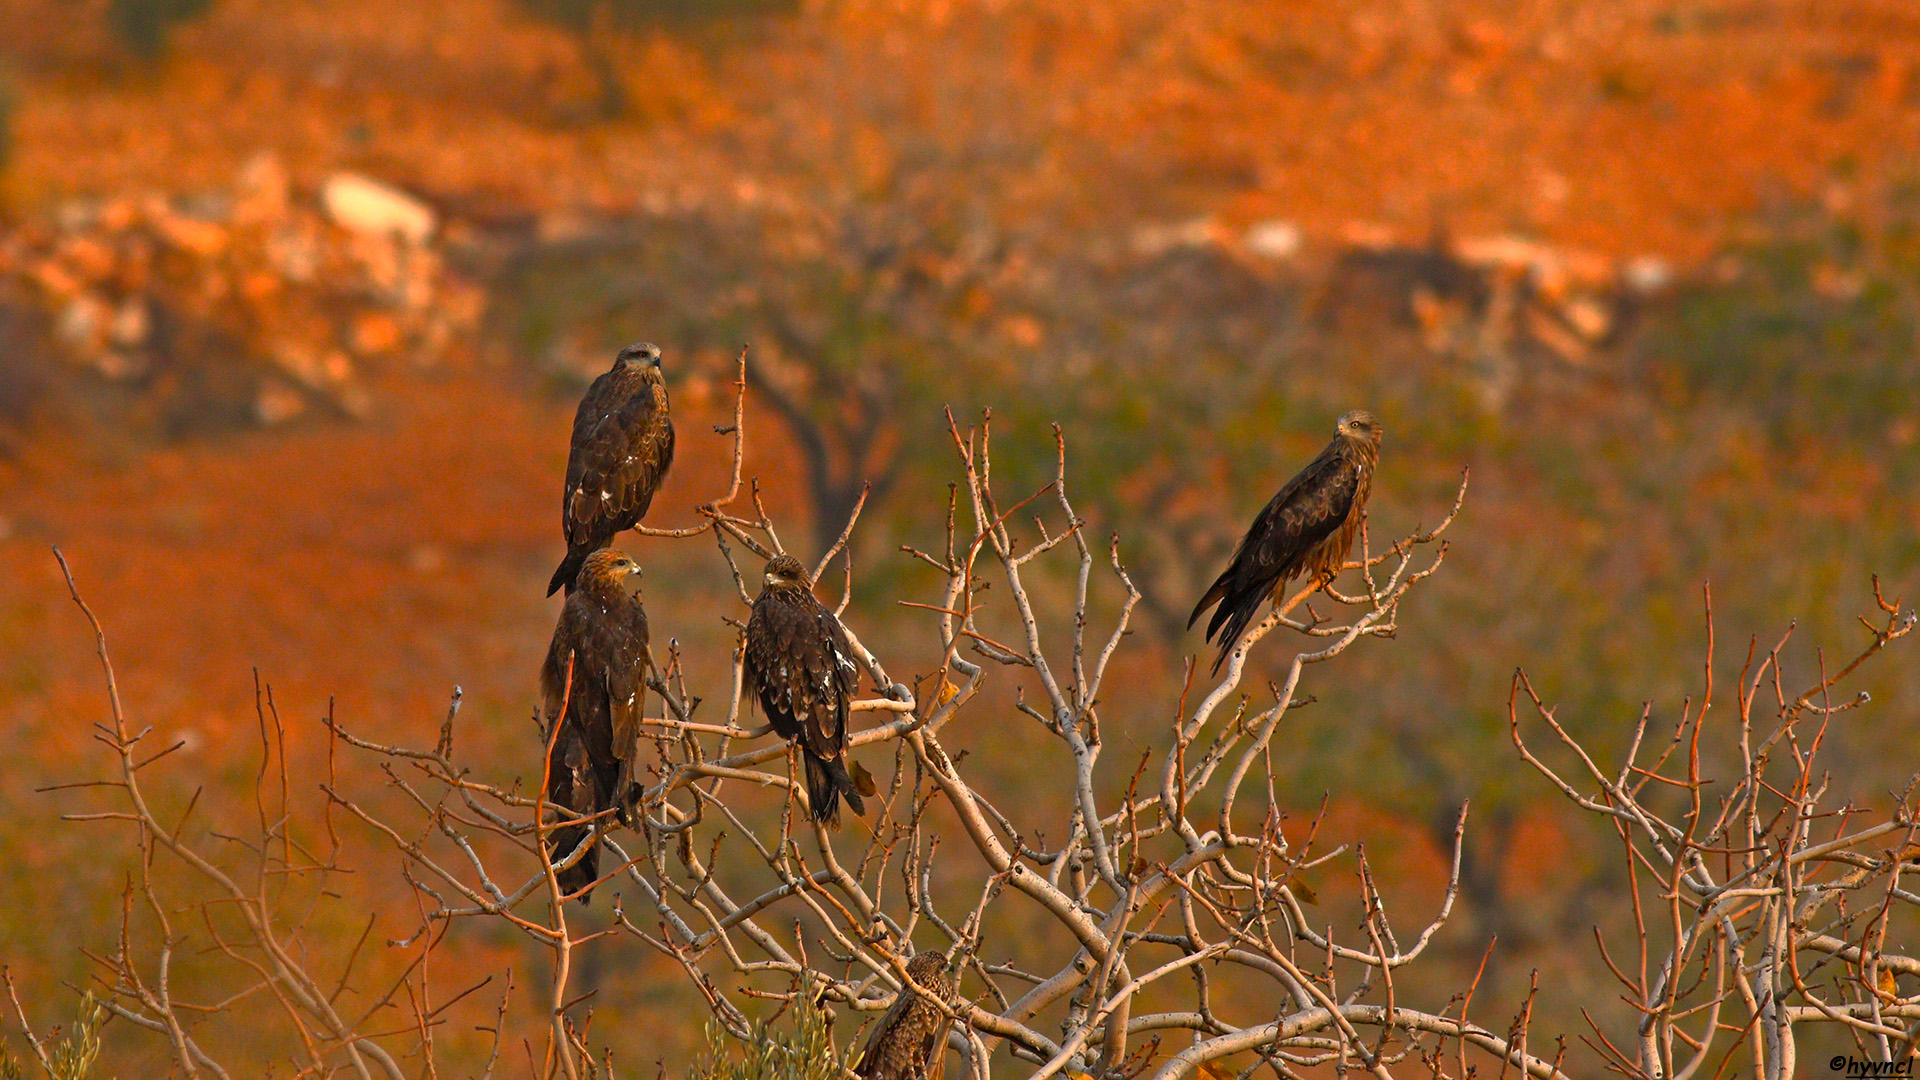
796	1044
70	1056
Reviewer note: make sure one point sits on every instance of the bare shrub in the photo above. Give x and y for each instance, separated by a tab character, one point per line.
1758	905
1144	913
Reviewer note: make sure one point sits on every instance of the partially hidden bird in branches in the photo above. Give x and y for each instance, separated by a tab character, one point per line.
910	1042
621	450
800	666
602	639
1307	528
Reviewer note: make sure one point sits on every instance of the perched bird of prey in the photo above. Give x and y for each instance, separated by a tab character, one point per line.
1307	528
910	1042
603	629
622	447
802	669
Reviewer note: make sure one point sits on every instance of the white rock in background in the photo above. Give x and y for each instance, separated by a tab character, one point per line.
295	252
131	323
1501	251
1647	274
1274	239
83	321
1160	238
368	206
1588	317
120	366
262	191
277	403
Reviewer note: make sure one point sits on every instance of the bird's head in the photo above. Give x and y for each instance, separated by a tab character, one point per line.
608	569
785	572
1359	425
928	965
642	356
953	958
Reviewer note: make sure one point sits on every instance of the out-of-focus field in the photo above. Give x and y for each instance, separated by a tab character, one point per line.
1652	269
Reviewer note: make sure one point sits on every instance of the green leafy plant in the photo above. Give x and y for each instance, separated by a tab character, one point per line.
63	1056
795	1044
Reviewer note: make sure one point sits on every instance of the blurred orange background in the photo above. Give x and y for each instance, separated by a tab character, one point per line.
296	300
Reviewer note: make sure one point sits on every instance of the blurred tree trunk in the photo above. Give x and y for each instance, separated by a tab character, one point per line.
598	46
845	435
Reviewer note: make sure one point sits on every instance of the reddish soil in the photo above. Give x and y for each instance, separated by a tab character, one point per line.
1635	127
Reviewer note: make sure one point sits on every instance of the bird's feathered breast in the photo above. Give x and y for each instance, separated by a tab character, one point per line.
604	631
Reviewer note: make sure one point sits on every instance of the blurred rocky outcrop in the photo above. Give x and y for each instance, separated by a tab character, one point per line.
249	305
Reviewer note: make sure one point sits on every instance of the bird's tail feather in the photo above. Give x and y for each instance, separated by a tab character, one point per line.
827	782
1212	597
582	873
624	793
1231	620
568	570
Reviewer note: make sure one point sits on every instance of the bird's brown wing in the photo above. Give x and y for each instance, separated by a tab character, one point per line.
588	454
834	677
772	670
626	682
591	769
1309	509
654	437
571	783
933	1050
910	1041
565	646
618	458
570	779
608	649
937	1050
883	1036
570	787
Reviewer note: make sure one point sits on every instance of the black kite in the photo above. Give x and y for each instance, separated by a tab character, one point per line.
910	1042
1307	528
801	667
621	450
603	630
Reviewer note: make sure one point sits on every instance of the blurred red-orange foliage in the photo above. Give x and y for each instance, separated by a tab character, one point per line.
380	563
